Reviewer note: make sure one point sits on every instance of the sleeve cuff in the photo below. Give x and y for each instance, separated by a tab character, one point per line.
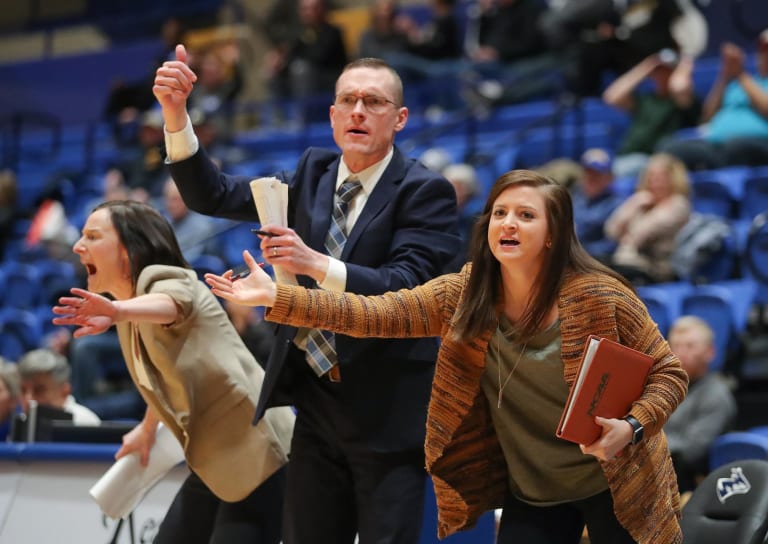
335	277
182	144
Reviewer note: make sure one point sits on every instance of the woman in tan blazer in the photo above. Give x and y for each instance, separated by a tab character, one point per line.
513	324
191	368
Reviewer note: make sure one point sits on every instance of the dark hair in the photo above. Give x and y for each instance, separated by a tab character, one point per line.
478	311
378	64
147	236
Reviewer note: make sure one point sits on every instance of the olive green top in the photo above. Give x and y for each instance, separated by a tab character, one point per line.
543	469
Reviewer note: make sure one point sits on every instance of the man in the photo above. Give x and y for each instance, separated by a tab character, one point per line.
195	232
45	379
305	62
357	461
657	113
594	200
9	395
709	408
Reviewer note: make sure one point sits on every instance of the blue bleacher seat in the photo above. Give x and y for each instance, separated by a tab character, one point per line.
660	306
719	191
56	279
44	315
755	196
233	240
760	429
22	285
712	196
541	145
752	239
736	446
725	307
208	263
20	331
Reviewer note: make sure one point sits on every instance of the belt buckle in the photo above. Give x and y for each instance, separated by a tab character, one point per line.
334	374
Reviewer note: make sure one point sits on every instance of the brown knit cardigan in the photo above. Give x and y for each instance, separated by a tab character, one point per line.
462	451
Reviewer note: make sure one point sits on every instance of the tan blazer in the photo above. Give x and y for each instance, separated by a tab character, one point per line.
203	383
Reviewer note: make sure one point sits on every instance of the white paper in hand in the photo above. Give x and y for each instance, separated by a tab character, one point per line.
271	199
126	482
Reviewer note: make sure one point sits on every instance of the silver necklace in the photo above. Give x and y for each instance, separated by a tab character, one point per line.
498	365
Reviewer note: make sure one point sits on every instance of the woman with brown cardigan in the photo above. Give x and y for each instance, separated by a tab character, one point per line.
513	325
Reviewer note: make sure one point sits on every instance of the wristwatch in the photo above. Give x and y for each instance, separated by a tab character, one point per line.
637	429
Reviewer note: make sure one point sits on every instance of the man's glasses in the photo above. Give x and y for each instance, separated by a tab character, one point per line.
371	102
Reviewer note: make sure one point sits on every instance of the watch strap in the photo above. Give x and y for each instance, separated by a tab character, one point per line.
637	429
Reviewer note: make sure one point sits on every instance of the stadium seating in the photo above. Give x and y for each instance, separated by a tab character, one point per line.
730	505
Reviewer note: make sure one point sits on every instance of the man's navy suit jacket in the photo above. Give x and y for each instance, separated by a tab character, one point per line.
404	236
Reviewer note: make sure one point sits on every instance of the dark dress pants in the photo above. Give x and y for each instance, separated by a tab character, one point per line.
197	516
338	486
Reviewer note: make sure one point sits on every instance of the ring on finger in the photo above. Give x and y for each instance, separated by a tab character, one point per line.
274	251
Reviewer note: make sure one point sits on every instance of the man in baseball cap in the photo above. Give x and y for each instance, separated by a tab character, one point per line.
594	199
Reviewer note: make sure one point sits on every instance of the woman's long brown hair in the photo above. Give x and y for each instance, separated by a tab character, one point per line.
478	310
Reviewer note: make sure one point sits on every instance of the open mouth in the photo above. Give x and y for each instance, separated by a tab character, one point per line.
90	269
357	131
509	242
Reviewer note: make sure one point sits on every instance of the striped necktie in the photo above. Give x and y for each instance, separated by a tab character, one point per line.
321	345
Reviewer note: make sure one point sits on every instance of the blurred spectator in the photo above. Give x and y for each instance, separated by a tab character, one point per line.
735	112
645	224
505	31
439	38
8	197
10	393
219	82
655	114
308	64
566	172
509	58
594	200
564	21
127	101
616	36
114	187
432	56
435	158
195	232
282	21
146	171
382	37
709	408
45	379
100	379
463	177
51	231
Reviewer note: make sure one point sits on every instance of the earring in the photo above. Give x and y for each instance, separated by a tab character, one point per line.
548	244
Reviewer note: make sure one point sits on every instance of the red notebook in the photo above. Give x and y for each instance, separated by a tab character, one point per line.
611	377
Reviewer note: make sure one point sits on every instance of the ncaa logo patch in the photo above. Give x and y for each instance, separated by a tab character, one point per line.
737	484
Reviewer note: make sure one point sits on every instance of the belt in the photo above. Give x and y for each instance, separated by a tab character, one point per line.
334	374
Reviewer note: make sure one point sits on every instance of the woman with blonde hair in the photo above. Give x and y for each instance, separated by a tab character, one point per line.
645	224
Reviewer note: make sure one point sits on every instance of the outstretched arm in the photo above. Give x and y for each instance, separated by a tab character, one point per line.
94	314
619	93
257	289
731	66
